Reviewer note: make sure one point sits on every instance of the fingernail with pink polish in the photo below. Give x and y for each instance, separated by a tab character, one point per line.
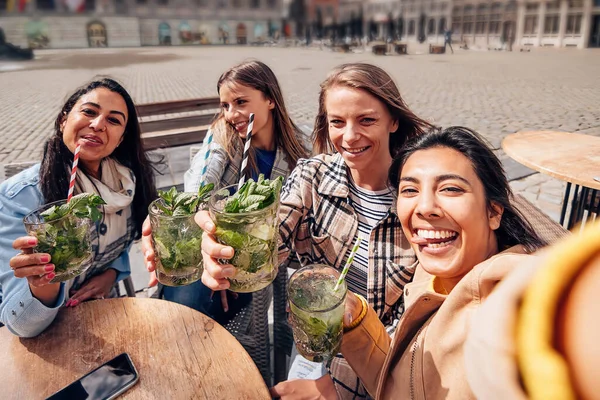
49	268
32	242
45	259
50	276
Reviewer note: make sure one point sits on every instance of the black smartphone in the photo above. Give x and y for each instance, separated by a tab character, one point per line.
104	383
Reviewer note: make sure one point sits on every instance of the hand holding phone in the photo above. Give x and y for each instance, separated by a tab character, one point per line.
103	383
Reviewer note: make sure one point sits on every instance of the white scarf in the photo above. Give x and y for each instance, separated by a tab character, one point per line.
117	187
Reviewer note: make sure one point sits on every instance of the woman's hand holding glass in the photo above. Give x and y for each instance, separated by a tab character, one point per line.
36	268
215	274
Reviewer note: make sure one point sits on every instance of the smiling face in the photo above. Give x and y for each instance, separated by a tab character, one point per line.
444	213
97	121
359	128
238	101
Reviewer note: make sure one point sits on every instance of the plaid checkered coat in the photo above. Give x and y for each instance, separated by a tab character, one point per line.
320	225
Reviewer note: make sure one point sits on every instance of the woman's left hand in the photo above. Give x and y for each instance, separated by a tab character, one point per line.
305	389
97	287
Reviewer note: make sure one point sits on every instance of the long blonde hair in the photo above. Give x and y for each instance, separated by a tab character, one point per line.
259	76
379	84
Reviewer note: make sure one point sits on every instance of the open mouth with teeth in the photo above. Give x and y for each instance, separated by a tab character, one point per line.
240	126
93	139
434	239
356	150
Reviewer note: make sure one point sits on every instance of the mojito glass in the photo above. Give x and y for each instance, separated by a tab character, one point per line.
317	311
177	243
66	239
253	235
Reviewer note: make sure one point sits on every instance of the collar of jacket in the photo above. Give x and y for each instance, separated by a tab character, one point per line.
335	180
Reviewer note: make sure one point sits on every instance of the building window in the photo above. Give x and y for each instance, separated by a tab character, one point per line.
411	27
531	25
431	27
254	3
41	5
456	25
532	7
90	5
574	24
551	25
271	3
494	27
481	19
140	1
442	26
575	3
553	5
443	6
496	8
162	2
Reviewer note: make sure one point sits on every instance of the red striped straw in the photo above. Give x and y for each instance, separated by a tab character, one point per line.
73	172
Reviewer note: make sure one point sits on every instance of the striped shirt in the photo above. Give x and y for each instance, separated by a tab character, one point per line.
371	207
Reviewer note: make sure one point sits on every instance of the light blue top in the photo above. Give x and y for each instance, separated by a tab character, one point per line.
23	314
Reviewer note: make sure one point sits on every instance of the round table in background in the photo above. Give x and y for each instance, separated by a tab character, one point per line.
178	352
571	157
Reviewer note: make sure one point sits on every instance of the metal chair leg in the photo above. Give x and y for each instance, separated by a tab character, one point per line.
128	283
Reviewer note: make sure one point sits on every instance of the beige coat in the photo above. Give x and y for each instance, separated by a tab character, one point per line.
425	358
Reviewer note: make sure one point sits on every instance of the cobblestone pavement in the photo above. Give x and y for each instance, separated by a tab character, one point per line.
496	93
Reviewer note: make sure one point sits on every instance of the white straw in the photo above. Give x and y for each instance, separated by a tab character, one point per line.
207	147
348	263
246	152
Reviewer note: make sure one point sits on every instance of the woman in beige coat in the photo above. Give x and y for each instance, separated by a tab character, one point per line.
453	203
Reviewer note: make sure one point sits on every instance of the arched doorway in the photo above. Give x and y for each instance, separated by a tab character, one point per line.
224	33
241	34
164	34
259	32
442	26
37	34
96	33
185	33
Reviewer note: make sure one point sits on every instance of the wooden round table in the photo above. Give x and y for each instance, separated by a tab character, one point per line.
571	157
179	353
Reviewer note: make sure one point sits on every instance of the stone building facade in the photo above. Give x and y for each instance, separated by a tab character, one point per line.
491	24
124	23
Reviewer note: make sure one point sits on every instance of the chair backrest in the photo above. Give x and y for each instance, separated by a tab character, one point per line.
545	227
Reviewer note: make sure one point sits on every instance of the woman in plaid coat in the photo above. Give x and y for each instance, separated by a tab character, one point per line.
342	194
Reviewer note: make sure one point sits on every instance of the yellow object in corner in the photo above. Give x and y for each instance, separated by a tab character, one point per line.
545	372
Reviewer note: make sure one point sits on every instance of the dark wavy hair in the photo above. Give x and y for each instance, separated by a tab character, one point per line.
57	159
514	228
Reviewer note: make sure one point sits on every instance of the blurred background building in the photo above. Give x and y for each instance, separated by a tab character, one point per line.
491	24
119	23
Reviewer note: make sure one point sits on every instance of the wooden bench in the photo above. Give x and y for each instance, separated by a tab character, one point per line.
379	49
176	123
400	48
436	49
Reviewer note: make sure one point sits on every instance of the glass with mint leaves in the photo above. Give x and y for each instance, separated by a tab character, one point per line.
63	231
176	237
247	220
317	311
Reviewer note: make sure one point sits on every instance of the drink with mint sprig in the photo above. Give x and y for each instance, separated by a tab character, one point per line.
247	220
316	311
63	231
176	237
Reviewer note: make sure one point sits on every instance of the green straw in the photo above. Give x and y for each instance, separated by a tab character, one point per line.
348	263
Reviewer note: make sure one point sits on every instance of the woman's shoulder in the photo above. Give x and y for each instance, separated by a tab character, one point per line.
497	267
24	181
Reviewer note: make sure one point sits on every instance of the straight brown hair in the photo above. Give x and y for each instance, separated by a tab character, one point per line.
379	84
259	76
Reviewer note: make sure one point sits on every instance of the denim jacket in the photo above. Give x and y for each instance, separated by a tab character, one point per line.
23	314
